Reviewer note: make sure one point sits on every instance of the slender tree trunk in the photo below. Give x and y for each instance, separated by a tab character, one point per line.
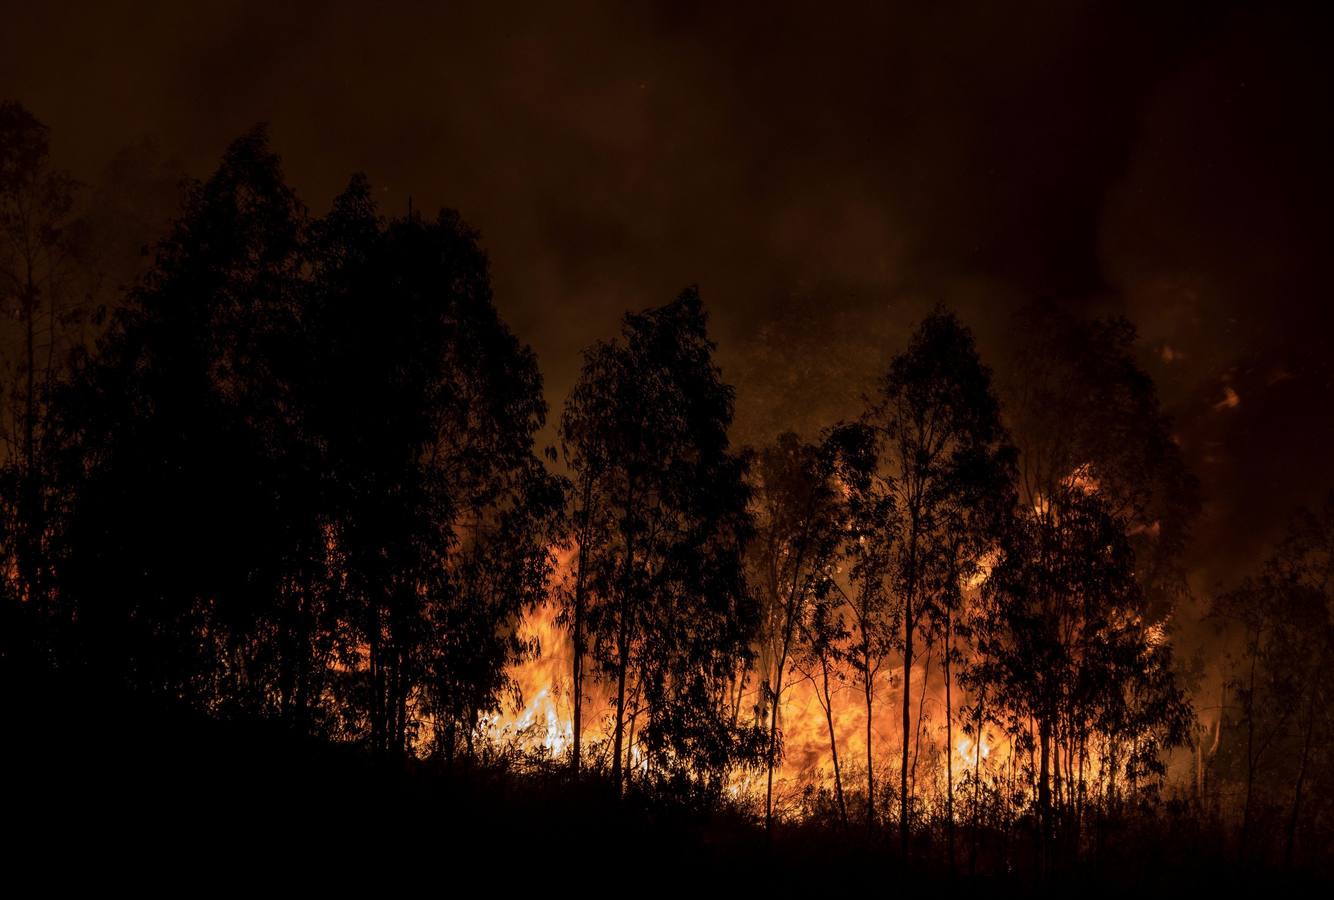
630	742
775	693
833	741
1081	799
32	526
921	716
1005	806
1218	738
391	685
1044	790
1250	750
794	596
377	691
907	720
402	689
451	740
618	743
868	688
909	626
977	786
577	663
1291	838
293	643
30	407
1199	768
949	743
623	645
1057	796
1113	755
305	662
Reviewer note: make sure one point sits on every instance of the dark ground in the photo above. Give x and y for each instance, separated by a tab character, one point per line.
101	790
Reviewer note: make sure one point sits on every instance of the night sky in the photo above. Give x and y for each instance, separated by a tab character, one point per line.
825	173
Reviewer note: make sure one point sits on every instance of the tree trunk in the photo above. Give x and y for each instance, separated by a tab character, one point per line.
401	713
921	716
618	736
833	741
1199	768
907	720
790	610
868	686
1113	752
1291	838
977	786
1044	791
1057	796
377	690
630	743
31	524
1250	751
909	626
577	664
623	646
949	744
774	694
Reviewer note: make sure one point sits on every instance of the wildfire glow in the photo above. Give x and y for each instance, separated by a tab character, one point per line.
539	721
967	750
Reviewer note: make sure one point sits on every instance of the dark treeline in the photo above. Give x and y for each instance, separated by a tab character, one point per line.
289	479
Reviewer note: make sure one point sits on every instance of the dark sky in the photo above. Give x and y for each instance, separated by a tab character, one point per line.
825	172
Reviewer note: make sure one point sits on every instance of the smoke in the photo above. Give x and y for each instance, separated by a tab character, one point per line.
825	172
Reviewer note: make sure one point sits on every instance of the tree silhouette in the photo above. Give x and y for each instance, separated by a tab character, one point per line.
799	527
289	467
1067	649
668	615
1281	674
38	244
942	455
426	406
175	443
1079	405
872	531
291	490
1086	420
822	654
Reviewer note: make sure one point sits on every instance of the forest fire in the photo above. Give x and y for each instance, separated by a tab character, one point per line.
538	721
826	714
910	464
968	750
543	719
542	725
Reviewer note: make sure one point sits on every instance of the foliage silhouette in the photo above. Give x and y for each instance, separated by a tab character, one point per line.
289	504
285	467
668	613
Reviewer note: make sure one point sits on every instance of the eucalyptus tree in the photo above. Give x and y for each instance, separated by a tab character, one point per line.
1281	621
942	456
39	239
1066	648
799	515
287	472
667	611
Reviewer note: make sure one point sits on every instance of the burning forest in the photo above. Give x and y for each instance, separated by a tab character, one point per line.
977	529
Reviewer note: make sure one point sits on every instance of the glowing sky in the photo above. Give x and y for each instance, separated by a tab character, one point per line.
824	172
